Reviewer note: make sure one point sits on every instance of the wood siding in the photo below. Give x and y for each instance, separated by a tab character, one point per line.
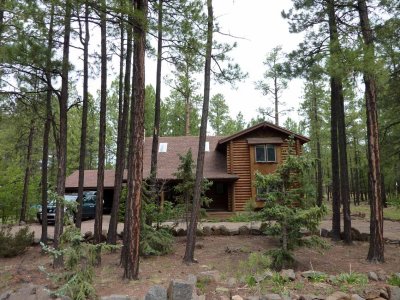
240	157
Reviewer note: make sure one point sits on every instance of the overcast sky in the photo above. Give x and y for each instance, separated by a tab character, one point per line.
261	28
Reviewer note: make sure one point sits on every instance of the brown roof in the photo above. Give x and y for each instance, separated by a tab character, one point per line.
168	162
214	161
302	138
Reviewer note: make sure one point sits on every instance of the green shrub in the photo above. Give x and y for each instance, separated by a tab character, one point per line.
155	241
13	245
352	278
281	259
394	280
318	277
255	264
76	280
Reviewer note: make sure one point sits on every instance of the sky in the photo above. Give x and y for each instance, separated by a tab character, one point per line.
260	27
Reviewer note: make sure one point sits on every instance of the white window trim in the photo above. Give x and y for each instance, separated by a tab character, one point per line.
162	147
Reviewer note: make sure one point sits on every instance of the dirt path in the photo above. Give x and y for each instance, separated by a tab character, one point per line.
391	228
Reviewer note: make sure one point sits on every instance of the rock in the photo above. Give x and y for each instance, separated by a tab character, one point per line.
384	293
288	273
201	297
36	240
372	276
27	292
156	292
324	232
263	227
233	250
192	279
122	297
338	296
181	290
215	230
271	297
382	276
356	297
309	297
311	273
236	297
5	295
199	232
87	235
355	234
222	290
364	237
231	282
263	276
371	293
252	298
223	297
199	245
209	276
394	292
255	231
180	232
223	230
244	230
42	293
207	230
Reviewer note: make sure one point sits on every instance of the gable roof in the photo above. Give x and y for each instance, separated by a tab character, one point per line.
168	162
264	124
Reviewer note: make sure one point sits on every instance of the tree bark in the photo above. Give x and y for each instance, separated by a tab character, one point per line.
376	244
46	130
22	217
319	174
156	129
336	94
62	151
122	140
131	262
98	221
191	232
85	106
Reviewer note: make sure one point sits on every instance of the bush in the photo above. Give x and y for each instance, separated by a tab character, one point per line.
155	241
281	259
255	264
13	245
352	278
394	280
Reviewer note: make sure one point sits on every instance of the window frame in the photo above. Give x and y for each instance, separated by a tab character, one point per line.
265	148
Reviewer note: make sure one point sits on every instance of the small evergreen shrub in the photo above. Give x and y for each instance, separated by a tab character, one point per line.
14	244
281	259
255	264
155	241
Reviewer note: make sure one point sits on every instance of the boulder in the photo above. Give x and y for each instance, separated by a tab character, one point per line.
156	292
207	230
215	230
324	233
372	276
383	293
180	232
209	276
244	230
231	282
356	297
255	231
181	290
394	292
288	273
236	297
223	230
371	293
338	296
271	297
311	273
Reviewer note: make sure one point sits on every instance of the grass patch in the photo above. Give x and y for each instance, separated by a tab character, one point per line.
391	212
394	280
352	278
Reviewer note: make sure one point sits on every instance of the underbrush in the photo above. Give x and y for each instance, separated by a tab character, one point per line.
14	244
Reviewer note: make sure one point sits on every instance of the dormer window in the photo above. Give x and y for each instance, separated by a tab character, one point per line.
265	153
162	147
207	147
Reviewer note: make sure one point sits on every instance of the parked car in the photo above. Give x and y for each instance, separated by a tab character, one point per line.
88	208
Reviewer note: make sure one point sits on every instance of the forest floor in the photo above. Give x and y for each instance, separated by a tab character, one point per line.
221	253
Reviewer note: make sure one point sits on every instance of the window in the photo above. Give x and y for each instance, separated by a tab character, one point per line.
265	153
162	147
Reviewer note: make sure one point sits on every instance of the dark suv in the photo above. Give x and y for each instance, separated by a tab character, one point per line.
88	208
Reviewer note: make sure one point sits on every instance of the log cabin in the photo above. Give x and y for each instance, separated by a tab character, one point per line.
230	163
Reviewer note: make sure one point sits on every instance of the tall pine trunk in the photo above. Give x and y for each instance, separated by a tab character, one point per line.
24	202
132	239
98	221
85	106
191	232
46	130
122	139
376	243
157	107
62	149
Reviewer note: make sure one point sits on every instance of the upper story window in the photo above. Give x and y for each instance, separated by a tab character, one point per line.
207	147
265	153
162	147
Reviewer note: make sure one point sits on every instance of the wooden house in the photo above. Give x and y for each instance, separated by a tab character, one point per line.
230	163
